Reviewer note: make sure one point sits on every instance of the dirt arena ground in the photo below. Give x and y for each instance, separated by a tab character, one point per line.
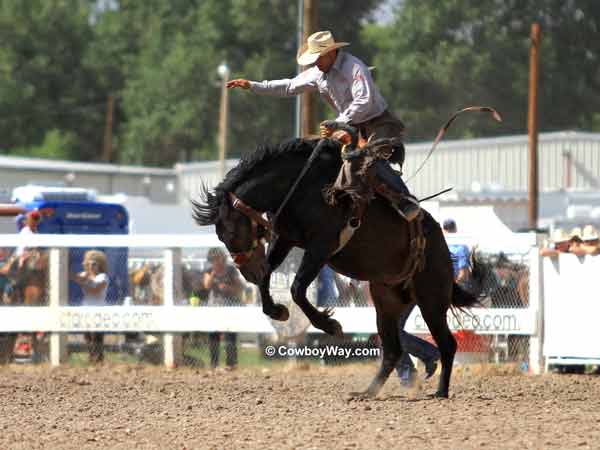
130	407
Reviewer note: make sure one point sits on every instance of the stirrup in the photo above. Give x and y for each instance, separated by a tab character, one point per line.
413	214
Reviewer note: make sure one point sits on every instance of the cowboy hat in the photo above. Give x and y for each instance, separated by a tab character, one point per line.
316	45
575	233
559	235
589	233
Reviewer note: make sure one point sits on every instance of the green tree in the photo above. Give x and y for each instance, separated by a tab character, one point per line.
171	95
265	48
437	57
170	98
44	84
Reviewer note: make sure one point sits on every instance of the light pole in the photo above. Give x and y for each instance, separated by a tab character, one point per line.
223	71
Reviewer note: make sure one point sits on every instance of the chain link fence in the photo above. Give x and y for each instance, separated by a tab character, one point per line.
505	286
135	277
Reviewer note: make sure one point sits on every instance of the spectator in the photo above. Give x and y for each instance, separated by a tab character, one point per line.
587	242
7	340
27	269
5	261
30	226
413	345
94	284
460	255
560	243
225	288
327	291
15	267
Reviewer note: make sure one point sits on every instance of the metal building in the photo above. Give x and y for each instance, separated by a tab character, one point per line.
159	185
567	160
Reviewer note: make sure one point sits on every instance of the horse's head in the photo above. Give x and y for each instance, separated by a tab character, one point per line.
242	235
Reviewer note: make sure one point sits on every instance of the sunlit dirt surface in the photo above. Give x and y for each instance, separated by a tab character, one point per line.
137	407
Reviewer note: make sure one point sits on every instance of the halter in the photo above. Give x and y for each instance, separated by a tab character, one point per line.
256	221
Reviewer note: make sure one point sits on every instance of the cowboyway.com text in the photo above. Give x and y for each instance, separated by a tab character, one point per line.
320	352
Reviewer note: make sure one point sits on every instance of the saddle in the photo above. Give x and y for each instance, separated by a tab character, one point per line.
358	179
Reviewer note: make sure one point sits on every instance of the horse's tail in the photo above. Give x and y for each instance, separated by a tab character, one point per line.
463	298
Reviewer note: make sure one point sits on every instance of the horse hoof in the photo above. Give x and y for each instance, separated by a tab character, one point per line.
280	313
361	395
430	368
334	329
440	394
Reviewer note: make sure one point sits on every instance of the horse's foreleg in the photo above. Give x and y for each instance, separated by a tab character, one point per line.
278	250
306	274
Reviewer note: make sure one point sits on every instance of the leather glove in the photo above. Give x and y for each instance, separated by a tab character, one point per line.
326	128
324	132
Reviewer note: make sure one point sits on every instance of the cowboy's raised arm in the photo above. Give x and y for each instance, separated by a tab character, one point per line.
362	96
303	82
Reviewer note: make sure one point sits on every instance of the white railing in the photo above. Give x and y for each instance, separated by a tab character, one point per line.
59	319
571	310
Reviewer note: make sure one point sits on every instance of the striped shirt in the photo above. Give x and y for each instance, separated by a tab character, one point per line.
348	87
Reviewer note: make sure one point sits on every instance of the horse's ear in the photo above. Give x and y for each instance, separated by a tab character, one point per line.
206	209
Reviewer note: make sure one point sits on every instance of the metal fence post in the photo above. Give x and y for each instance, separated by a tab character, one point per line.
536	303
58	278
172	285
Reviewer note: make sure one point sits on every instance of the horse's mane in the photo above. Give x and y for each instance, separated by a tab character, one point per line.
205	210
263	154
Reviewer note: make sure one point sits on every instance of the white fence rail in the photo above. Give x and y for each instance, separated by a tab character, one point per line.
571	310
172	319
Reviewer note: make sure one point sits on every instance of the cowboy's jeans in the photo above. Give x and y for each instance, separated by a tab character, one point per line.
390	177
412	345
389	183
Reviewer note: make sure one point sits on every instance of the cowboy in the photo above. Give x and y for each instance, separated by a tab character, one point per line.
346	84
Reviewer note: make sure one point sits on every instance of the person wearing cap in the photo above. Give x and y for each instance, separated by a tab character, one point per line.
587	244
560	243
27	268
345	83
19	256
460	254
32	220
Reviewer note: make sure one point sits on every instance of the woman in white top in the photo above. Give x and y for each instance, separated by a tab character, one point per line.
94	284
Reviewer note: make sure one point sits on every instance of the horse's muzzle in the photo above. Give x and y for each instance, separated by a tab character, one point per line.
241	259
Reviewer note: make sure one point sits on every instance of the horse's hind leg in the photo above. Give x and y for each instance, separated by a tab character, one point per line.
388	308
434	314
434	287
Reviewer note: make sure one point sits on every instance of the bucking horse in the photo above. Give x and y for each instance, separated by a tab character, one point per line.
266	183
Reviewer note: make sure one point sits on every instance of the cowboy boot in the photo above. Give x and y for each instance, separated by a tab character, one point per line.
389	184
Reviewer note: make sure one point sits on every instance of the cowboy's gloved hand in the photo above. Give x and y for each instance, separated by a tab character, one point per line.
239	83
342	136
326	128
